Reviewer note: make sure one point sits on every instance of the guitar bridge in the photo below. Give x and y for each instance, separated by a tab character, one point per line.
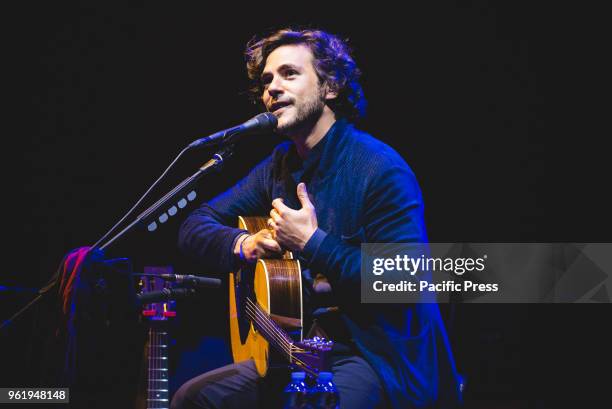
313	353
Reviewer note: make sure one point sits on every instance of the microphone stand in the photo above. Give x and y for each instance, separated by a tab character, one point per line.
212	164
261	122
216	162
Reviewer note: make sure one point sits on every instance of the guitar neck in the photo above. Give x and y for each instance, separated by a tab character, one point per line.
157	385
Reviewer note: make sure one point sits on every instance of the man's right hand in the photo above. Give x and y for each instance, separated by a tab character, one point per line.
259	245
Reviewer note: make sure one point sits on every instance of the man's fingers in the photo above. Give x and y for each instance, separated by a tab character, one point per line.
275	216
279	206
302	195
265	233
271	245
273	227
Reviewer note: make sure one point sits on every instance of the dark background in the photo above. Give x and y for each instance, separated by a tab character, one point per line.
497	109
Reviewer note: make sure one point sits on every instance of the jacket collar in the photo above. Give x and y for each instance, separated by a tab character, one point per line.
325	157
333	156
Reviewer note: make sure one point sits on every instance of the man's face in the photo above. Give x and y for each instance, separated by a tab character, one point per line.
291	88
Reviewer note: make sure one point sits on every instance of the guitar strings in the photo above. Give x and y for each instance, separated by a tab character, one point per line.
267	326
285	350
157	373
273	332
148	374
280	346
264	315
277	334
152	363
274	327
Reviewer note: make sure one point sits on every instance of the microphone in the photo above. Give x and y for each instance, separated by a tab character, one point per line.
167	294
261	123
193	281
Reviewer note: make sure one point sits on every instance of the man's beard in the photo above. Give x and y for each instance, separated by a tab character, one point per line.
306	115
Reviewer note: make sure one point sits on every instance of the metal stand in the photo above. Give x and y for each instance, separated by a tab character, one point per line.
169	201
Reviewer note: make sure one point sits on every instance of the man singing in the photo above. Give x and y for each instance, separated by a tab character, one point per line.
329	189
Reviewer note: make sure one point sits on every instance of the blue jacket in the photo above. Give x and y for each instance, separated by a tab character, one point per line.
363	191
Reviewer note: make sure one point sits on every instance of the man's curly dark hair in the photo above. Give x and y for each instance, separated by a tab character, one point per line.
332	62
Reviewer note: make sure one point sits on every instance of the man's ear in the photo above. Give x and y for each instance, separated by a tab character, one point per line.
331	91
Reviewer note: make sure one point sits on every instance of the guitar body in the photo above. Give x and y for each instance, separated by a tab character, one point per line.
276	286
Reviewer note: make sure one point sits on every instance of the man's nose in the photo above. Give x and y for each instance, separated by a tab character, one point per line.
275	87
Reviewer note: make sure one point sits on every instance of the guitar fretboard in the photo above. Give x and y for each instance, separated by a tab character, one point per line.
157	387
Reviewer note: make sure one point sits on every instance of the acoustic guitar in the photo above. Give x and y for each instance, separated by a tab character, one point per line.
265	309
154	390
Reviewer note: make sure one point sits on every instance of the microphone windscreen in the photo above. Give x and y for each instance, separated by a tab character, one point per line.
265	122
